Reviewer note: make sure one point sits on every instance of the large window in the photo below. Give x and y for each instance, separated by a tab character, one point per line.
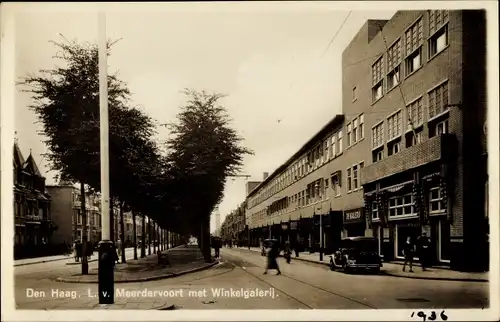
339	142
378	135
413	48
415	112
349	134
377	79
438	31
355	180
394	125
336	185
438	100
393	63
401	206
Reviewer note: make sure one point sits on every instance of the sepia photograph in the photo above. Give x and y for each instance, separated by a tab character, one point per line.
281	157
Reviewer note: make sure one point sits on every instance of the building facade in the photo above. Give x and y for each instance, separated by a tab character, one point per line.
406	157
67	214
32	208
419	82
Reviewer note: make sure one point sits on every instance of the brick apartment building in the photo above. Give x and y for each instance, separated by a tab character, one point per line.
32	208
418	80
408	154
67	215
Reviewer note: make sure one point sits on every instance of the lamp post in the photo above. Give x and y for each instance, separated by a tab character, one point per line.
106	249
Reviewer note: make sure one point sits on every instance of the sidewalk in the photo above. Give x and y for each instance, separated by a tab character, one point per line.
47	259
183	260
396	269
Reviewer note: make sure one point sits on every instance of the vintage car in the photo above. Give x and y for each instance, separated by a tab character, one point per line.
357	253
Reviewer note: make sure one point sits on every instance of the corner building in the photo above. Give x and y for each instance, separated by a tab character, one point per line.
418	81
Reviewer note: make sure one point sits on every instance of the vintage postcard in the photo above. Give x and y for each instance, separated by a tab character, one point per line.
250	161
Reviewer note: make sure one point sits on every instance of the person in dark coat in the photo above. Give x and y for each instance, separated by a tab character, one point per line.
272	255
423	251
287	251
216	244
409	253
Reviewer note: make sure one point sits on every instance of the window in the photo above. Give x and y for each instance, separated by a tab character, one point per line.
349	131
355	176
326	184
336	185
437	18
413	49
378	155
394	125
354	130
394	148
361	126
401	206
413	138
393	62
326	154
349	180
375	215
438	100
438	42
354	93
377	79
339	142
442	127
415	112
333	150
436	203
378	135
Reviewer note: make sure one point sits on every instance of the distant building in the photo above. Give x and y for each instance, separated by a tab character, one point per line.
67	214
32	207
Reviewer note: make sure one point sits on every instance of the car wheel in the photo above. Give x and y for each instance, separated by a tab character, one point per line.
332	265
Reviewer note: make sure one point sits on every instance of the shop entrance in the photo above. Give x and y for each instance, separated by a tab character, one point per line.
355	230
402	233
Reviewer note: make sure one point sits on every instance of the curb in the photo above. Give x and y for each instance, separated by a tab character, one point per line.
384	272
477	280
45	261
80	263
144	279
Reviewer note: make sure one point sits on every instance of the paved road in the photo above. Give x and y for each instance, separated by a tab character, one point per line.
301	286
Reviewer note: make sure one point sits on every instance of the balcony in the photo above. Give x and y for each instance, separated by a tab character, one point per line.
438	148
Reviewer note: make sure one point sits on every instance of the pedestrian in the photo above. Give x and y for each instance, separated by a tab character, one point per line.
119	246
272	255
408	253
423	251
216	245
295	247
287	252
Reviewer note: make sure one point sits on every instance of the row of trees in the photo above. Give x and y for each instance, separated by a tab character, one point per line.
179	188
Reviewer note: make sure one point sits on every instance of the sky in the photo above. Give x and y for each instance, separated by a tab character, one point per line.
282	78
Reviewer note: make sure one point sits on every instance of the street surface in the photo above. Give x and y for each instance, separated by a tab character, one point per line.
301	286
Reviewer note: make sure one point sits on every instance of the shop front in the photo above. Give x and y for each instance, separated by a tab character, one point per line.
354	222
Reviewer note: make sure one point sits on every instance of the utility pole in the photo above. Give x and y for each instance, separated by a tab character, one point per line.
106	249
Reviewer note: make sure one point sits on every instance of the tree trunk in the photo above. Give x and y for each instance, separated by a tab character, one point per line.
149	236
205	240
143	241
122	233
85	263
134	228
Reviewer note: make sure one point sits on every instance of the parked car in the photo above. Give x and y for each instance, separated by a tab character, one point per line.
357	253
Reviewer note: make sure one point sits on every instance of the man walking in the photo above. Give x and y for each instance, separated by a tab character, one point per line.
216	246
272	255
408	253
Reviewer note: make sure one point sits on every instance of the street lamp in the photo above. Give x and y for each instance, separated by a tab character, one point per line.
106	249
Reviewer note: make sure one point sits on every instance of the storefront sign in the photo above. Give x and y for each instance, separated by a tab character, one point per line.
293	225
284	226
354	216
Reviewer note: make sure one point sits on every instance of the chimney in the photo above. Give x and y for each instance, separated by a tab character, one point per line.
266	174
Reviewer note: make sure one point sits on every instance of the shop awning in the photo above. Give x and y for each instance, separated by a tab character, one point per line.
371	193
397	187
